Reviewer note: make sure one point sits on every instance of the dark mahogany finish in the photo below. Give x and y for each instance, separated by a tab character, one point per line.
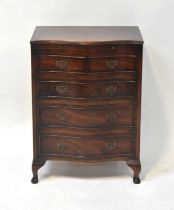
86	118
94	148
86	91
74	64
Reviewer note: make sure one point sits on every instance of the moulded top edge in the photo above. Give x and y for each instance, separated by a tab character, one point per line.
87	35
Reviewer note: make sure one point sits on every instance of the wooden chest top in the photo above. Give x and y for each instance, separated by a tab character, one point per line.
87	35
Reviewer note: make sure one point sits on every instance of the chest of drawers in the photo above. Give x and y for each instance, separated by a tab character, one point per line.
86	95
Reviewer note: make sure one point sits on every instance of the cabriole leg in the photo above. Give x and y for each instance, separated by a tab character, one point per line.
136	167
36	165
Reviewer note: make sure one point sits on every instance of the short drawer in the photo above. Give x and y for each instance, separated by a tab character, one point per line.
60	63
86	90
74	64
85	117
112	63
67	146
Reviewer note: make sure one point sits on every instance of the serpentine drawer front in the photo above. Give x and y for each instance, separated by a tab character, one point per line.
78	64
95	148
86	92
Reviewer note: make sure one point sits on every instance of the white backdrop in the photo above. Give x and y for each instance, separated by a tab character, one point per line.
70	186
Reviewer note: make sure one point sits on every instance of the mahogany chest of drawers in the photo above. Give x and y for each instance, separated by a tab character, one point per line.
86	92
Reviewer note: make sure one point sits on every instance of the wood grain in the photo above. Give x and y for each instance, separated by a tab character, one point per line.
79	64
56	145
86	90
81	117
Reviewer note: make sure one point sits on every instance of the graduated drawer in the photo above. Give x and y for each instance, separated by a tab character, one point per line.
86	90
86	64
67	146
85	117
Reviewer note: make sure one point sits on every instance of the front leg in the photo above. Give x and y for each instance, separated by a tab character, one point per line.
36	165
135	165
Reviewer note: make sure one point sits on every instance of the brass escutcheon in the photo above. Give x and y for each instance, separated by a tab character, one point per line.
111	63
61	63
110	146
111	117
61	89
62	146
61	116
111	90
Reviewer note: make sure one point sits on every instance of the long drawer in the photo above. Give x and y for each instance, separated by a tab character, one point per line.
86	90
57	145
75	64
85	117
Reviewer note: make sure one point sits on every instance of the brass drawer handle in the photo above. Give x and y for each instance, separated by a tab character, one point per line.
111	63
62	146
111	146
111	90
61	64
61	89
111	117
62	116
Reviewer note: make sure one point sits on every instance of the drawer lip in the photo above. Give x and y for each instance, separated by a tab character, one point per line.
88	57
84	148
83	98
130	138
85	73
94	82
63	56
88	159
77	127
84	108
86	156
